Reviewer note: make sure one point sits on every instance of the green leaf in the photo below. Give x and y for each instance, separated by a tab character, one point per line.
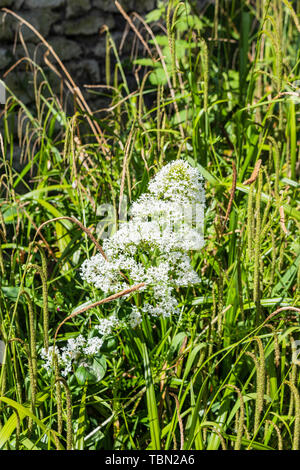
151	401
287	279
154	15
177	342
110	344
11	423
158	77
146	62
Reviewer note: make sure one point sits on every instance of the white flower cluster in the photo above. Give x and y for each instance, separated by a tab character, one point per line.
152	248
79	347
165	223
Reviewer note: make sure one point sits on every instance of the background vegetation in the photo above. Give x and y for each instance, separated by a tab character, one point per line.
221	91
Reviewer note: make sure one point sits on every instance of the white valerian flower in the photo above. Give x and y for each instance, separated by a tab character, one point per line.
106	325
49	356
166	223
135	317
179	182
93	346
79	347
152	247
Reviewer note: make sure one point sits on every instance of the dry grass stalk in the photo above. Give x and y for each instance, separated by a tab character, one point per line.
130	22
282	221
281	309
254	173
100	302
83	228
280	444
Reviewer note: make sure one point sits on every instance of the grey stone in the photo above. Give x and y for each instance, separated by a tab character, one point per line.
142	6
44	3
106	5
89	24
35	52
18	4
59	29
76	7
6	3
21	85
100	48
66	49
117	36
17	158
5	58
41	19
91	67
54	80
88	72
6	26
128	5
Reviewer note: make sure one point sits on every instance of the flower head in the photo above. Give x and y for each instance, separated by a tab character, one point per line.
165	223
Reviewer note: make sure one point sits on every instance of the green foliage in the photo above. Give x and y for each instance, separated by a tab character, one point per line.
219	90
91	371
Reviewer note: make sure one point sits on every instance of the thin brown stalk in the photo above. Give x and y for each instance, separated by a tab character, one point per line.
223	444
254	173
130	22
100	302
83	228
282	222
280	444
281	309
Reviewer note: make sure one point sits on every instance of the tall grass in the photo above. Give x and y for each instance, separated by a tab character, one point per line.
219	90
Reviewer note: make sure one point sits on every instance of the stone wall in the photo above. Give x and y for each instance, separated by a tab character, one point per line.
72	28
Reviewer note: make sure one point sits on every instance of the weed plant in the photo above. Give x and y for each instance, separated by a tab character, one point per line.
219	90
